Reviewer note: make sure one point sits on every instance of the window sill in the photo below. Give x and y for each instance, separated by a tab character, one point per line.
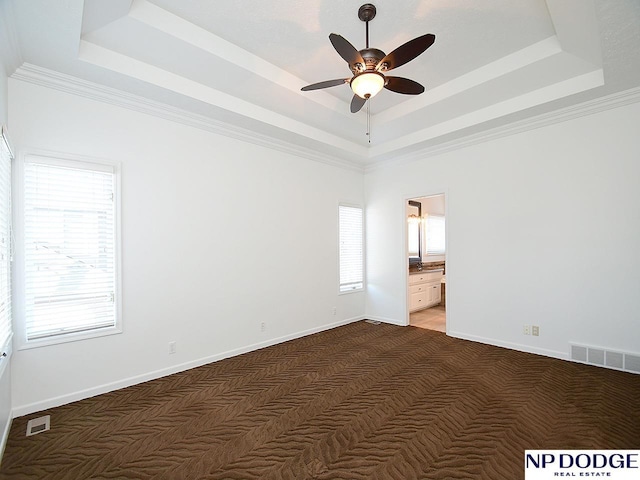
355	290
69	337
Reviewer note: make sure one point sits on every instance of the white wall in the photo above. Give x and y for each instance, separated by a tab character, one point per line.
3	95
543	228
218	236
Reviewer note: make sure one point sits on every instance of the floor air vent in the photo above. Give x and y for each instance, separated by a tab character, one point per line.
373	322
38	425
605	358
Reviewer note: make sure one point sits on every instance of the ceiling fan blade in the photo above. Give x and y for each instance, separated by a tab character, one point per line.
325	84
403	85
406	52
345	49
357	103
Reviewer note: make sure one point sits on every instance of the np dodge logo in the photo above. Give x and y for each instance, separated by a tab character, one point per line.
554	464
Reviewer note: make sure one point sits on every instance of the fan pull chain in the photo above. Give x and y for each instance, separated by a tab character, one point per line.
369	119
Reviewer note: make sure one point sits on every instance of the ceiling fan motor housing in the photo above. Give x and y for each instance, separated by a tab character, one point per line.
371	57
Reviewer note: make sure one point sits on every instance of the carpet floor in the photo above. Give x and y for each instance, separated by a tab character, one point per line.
357	402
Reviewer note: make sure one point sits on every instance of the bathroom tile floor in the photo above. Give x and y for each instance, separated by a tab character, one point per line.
433	318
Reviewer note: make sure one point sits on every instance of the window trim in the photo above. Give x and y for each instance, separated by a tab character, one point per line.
63	160
362	288
6	344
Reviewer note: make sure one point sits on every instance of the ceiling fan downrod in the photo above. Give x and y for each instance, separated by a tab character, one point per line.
371	56
366	13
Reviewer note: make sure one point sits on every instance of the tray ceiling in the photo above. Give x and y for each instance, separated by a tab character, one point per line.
243	63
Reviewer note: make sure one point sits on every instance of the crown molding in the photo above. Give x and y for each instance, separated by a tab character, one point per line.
83	88
69	84
590	107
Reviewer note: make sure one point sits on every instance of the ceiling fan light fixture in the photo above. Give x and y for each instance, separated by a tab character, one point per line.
367	84
367	65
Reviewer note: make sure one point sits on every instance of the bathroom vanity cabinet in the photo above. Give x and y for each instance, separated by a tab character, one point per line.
424	289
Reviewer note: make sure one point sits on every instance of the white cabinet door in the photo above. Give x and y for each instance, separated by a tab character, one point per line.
418	300
435	293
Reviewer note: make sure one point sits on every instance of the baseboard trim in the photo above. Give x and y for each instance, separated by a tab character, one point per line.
390	321
510	345
5	438
28	409
487	341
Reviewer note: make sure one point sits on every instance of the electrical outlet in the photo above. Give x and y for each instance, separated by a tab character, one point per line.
526	329
172	348
334	310
535	330
263	326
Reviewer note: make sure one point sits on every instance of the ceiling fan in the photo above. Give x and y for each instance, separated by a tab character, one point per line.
368	65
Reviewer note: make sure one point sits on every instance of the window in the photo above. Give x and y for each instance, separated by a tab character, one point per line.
5	249
435	235
351	258
70	250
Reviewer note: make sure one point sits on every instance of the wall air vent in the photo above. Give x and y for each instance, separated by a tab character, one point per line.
605	358
38	425
578	353
615	360
595	356
632	363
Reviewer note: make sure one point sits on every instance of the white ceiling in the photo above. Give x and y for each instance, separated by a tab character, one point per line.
243	63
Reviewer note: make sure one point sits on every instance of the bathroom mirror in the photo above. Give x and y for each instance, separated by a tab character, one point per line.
414	232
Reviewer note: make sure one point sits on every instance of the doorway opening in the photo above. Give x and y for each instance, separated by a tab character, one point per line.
426	254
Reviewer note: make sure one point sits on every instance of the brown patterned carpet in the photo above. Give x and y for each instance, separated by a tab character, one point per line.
356	402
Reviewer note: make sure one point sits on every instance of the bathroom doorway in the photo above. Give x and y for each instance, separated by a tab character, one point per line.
426	261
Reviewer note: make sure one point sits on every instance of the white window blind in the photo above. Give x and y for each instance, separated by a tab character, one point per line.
435	235
70	248
351	251
5	245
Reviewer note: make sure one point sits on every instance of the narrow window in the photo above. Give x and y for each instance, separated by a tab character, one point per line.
5	249
71	249
435	235
351	257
